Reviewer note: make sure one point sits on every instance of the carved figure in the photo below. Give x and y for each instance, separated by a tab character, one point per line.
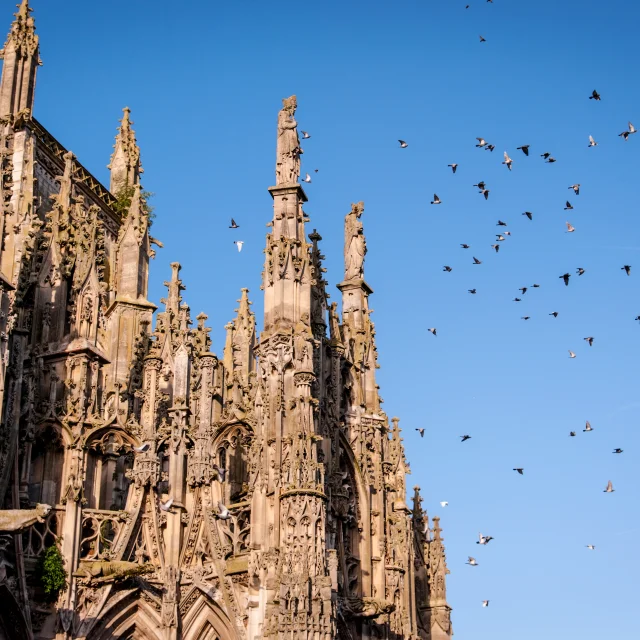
355	245
100	571
17	520
288	148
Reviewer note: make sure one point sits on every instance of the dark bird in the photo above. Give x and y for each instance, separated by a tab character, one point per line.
501	224
482	39
525	317
523	289
485	193
637	318
473	291
550	160
554	314
453	166
520	470
617	450
476	261
535	286
576	188
524	148
433	330
489	147
447	268
594	95
465	246
234	224
545	155
589	340
517	299
568	207
580	271
463	438
565	277
496	247
436	200
421	432
480	185
572	434
528	214
627	269
403	144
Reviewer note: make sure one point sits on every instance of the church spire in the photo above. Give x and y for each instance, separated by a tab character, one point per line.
440	611
21	59
287	275
125	161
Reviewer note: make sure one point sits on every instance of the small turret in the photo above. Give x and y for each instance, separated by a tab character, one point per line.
125	161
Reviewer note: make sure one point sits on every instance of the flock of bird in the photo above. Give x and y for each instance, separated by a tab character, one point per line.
483	540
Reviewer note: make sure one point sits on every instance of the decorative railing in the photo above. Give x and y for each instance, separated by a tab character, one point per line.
43	534
235	530
100	528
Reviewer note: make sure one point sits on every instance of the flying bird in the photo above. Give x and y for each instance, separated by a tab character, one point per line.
572	434
485	193
238	244
433	330
523	289
472	291
403	144
627	269
481	142
517	299
476	261
507	160
307	178
421	432
525	317
305	135
496	247
490	147
594	95
576	188
142	449
571	354
507	233
528	214
568	206
501	224
617	451
570	228
535	286
480	185
499	237
465	246
592	142
463	438
444	503
520	470
609	488
234	224
580	271
626	134
587	427
591	547
545	155
589	340
554	314
453	166
524	148
472	561
483	539
482	39
447	268
485	603
223	512
221	472
550	160
565	277
436	200
166	506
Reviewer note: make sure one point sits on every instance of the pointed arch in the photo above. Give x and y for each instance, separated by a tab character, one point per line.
206	620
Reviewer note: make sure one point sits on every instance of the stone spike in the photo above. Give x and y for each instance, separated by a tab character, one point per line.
174	286
125	161
437	530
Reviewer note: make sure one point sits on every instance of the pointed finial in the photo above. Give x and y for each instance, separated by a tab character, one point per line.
22	30
125	161
436	528
174	286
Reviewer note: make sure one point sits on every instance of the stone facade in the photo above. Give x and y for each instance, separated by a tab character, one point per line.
257	495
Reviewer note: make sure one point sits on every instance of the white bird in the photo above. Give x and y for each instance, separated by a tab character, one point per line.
444	504
307	178
592	547
592	142
499	237
433	330
403	144
305	135
238	244
507	160
485	603
609	488
484	539
145	447
588	427
626	134
166	506
472	562
571	354
223	512
576	188
570	228
221	472
436	200
481	142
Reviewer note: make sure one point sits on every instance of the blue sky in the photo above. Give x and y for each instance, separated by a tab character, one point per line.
205	84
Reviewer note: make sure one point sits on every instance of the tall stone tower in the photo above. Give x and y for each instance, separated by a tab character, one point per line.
257	495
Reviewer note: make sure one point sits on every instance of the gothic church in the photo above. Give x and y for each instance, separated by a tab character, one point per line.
260	494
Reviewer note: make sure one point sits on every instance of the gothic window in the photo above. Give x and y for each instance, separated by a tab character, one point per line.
107	485
233	452
47	468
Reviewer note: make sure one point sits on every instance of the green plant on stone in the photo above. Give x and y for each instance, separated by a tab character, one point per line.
51	572
123	202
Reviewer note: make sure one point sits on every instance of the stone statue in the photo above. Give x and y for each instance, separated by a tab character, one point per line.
99	571
288	147
355	246
17	520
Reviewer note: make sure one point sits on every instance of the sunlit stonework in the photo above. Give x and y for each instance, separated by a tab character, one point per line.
134	432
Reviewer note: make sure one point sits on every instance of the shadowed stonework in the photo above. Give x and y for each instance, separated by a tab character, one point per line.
257	495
